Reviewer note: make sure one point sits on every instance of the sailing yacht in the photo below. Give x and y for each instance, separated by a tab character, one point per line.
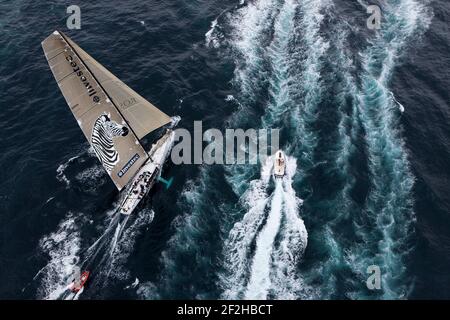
113	117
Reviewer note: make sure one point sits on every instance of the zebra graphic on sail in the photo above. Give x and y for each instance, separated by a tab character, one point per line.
103	133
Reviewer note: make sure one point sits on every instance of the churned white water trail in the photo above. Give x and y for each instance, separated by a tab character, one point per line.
63	248
270	270
390	203
104	258
237	245
60	171
287	283
279	57
123	242
263	39
251	25
260	282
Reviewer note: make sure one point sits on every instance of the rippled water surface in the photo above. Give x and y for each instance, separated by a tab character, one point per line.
366	183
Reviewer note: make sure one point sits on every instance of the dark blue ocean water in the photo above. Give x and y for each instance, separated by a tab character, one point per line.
369	184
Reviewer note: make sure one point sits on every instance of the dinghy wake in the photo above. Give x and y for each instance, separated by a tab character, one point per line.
104	259
263	250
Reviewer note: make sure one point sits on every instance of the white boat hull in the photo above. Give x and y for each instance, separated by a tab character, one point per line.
146	177
279	165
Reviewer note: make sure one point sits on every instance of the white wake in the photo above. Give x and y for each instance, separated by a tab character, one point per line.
273	227
259	283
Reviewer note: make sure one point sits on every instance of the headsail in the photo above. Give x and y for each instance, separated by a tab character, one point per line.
92	94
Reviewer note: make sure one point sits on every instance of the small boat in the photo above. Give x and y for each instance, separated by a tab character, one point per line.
113	117
279	166
78	285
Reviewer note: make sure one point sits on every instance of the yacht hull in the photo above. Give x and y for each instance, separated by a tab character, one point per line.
279	165
149	173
